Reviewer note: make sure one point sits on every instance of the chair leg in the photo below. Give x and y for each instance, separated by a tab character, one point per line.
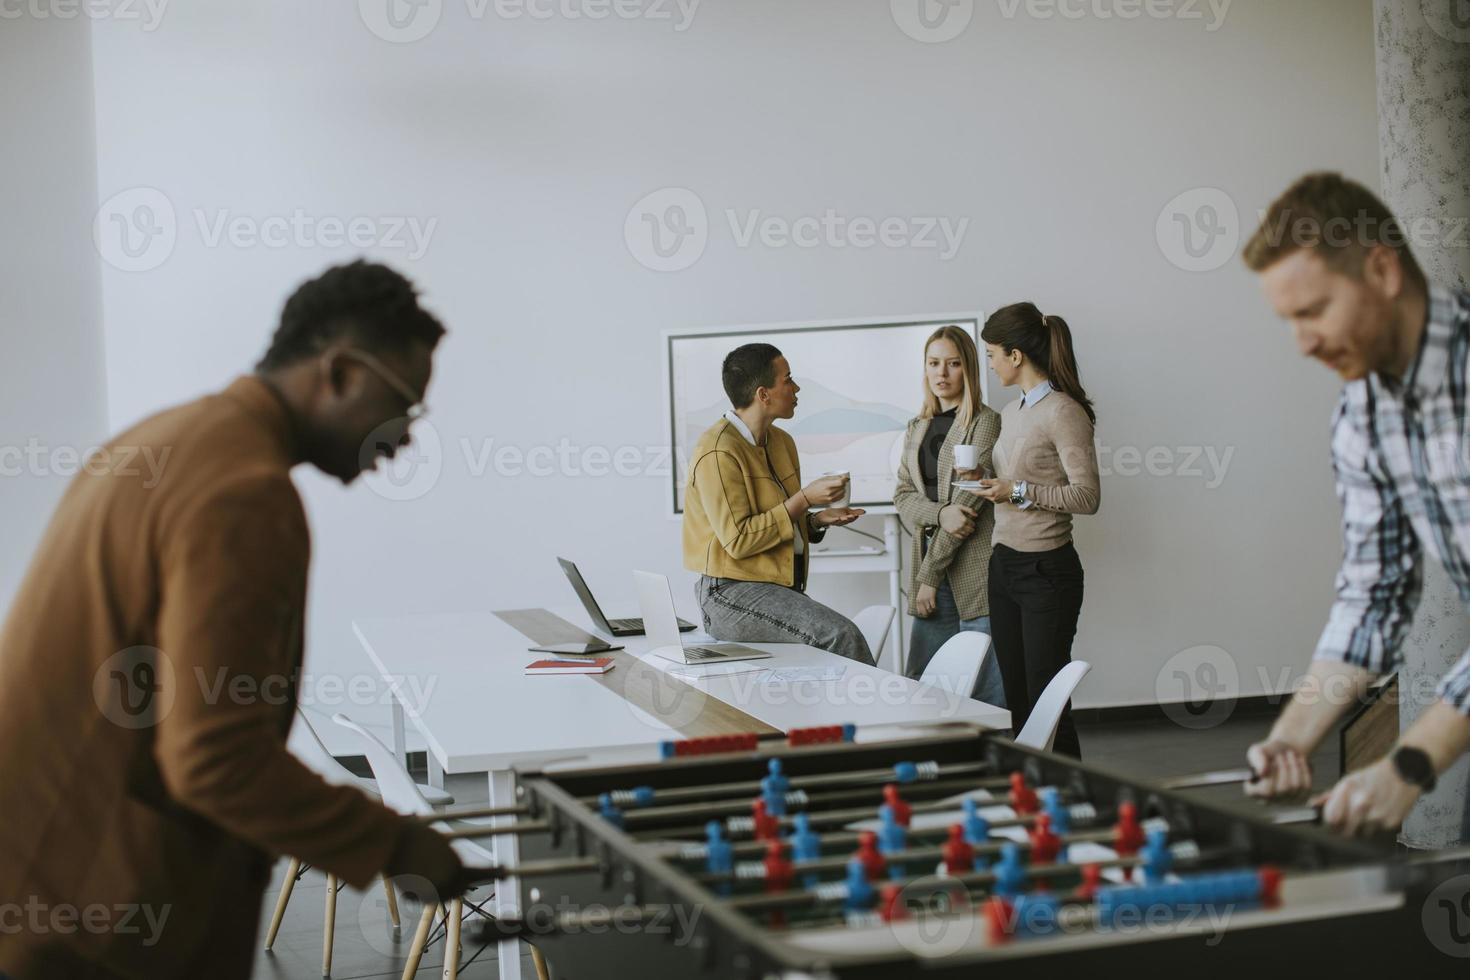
291	871
420	938
540	961
392	906
330	926
451	942
444	915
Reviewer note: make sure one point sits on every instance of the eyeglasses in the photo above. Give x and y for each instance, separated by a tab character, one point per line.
416	408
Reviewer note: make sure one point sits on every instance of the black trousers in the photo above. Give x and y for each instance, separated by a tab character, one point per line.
1035	599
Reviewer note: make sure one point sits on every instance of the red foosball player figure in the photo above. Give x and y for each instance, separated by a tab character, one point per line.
889	906
1045	845
959	856
779	875
1023	798
874	864
767	827
1091	881
779	871
902	812
1127	834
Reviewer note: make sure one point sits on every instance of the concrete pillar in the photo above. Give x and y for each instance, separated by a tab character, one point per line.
1423	55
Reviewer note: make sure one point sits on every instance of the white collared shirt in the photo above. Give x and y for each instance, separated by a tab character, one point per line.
1036	394
740	427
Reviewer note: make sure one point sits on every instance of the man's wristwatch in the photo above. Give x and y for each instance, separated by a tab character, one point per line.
1414	767
1018	494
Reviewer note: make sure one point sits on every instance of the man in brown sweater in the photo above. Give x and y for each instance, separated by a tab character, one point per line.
151	654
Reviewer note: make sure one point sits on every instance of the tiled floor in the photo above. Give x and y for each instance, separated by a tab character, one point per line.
364	947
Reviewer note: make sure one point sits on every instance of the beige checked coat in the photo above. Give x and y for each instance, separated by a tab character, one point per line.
965	562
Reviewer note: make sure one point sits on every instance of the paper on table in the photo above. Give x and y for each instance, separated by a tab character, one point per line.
788	675
694	671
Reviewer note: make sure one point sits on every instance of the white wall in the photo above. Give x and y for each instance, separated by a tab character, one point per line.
52	399
1061	140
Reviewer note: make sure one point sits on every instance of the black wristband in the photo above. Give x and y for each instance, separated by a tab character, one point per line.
1415	768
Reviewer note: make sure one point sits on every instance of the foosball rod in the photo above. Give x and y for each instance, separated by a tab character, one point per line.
857	777
797	799
503	830
535	869
1075	911
696	852
833	892
917	855
503	811
819	819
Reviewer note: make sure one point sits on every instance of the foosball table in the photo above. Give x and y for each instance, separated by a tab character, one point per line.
940	855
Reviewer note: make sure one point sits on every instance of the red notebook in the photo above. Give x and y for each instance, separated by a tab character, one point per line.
599	666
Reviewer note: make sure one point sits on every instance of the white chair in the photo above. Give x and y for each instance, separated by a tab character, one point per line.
306	745
874	623
1040	730
401	793
956	665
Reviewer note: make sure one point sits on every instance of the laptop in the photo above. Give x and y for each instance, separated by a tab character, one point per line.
657	603
612	627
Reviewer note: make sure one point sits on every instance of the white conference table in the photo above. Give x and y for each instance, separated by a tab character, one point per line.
459	679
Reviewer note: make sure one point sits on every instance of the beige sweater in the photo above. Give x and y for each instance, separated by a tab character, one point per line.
1050	446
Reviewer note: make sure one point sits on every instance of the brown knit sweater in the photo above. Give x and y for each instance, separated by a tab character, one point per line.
1050	446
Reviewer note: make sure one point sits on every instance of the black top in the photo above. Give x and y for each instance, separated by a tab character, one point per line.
939	427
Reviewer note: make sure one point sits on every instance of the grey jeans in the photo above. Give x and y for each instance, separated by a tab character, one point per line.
761	612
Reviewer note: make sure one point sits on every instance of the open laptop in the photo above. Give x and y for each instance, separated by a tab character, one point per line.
657	603
612	627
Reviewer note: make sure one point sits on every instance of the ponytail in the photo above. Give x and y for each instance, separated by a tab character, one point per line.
1062	364
1046	340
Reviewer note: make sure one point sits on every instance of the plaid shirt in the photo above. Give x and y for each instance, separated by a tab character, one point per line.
1402	462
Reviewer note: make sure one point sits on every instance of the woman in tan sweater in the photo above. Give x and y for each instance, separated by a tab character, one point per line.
1045	471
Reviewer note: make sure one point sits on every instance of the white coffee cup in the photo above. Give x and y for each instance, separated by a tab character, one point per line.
966	457
842	502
